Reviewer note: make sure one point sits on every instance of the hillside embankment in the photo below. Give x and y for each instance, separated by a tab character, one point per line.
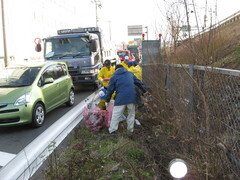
218	47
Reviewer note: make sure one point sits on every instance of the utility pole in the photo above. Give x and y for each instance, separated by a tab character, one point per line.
195	12
98	5
4	35
216	14
188	24
109	25
123	43
205	16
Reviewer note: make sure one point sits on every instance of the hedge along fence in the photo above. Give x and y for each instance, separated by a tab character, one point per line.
203	105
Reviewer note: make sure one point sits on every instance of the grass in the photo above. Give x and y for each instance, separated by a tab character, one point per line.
103	156
231	61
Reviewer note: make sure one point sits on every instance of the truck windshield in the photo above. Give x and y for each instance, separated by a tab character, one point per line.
133	49
67	47
122	53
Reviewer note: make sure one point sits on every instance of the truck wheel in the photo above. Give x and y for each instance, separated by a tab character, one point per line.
38	115
71	98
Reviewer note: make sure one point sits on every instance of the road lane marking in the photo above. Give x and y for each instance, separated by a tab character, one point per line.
5	158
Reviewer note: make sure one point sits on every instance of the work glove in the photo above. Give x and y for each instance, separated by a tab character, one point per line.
105	79
101	94
106	104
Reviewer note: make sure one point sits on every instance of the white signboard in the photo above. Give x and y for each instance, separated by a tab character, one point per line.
135	30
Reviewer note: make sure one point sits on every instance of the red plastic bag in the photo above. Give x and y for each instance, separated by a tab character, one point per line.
95	118
108	116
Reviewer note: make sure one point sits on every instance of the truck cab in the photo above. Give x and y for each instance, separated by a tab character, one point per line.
82	50
123	53
135	50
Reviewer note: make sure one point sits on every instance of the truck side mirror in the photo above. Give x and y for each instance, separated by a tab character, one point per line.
38	47
93	46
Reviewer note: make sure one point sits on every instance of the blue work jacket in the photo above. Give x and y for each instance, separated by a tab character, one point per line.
122	81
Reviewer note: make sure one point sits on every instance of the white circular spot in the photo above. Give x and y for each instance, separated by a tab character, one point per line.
178	168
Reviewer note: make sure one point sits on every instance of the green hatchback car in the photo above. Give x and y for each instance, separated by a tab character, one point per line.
28	92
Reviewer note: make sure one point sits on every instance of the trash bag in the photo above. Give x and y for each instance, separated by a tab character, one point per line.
95	118
108	115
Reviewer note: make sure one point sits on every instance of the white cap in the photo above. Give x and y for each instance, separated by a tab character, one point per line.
126	58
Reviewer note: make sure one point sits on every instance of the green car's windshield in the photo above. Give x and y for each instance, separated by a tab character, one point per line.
18	76
67	47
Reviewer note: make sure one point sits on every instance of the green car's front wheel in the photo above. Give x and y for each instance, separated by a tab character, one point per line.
71	98
38	115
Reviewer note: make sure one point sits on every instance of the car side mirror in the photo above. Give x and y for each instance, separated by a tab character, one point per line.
48	81
93	46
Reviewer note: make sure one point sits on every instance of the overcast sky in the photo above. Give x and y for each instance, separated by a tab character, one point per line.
116	15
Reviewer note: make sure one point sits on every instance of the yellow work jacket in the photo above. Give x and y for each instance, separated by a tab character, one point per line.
137	71
124	65
105	73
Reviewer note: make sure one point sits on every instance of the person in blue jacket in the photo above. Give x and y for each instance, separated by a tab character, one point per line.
122	81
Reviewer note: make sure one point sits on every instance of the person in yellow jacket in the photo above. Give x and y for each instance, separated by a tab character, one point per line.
125	62
104	76
135	69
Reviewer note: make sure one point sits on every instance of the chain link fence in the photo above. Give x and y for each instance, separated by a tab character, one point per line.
203	106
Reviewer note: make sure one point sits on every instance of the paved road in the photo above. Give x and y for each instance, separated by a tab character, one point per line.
14	139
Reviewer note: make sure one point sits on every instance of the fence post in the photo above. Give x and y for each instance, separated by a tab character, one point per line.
191	72
168	81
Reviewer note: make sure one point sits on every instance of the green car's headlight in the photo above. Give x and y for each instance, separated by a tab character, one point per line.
24	99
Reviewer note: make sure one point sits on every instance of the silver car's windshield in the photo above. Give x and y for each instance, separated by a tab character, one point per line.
67	47
18	76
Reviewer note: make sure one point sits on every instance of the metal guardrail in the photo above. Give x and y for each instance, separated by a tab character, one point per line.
234	17
229	19
27	161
